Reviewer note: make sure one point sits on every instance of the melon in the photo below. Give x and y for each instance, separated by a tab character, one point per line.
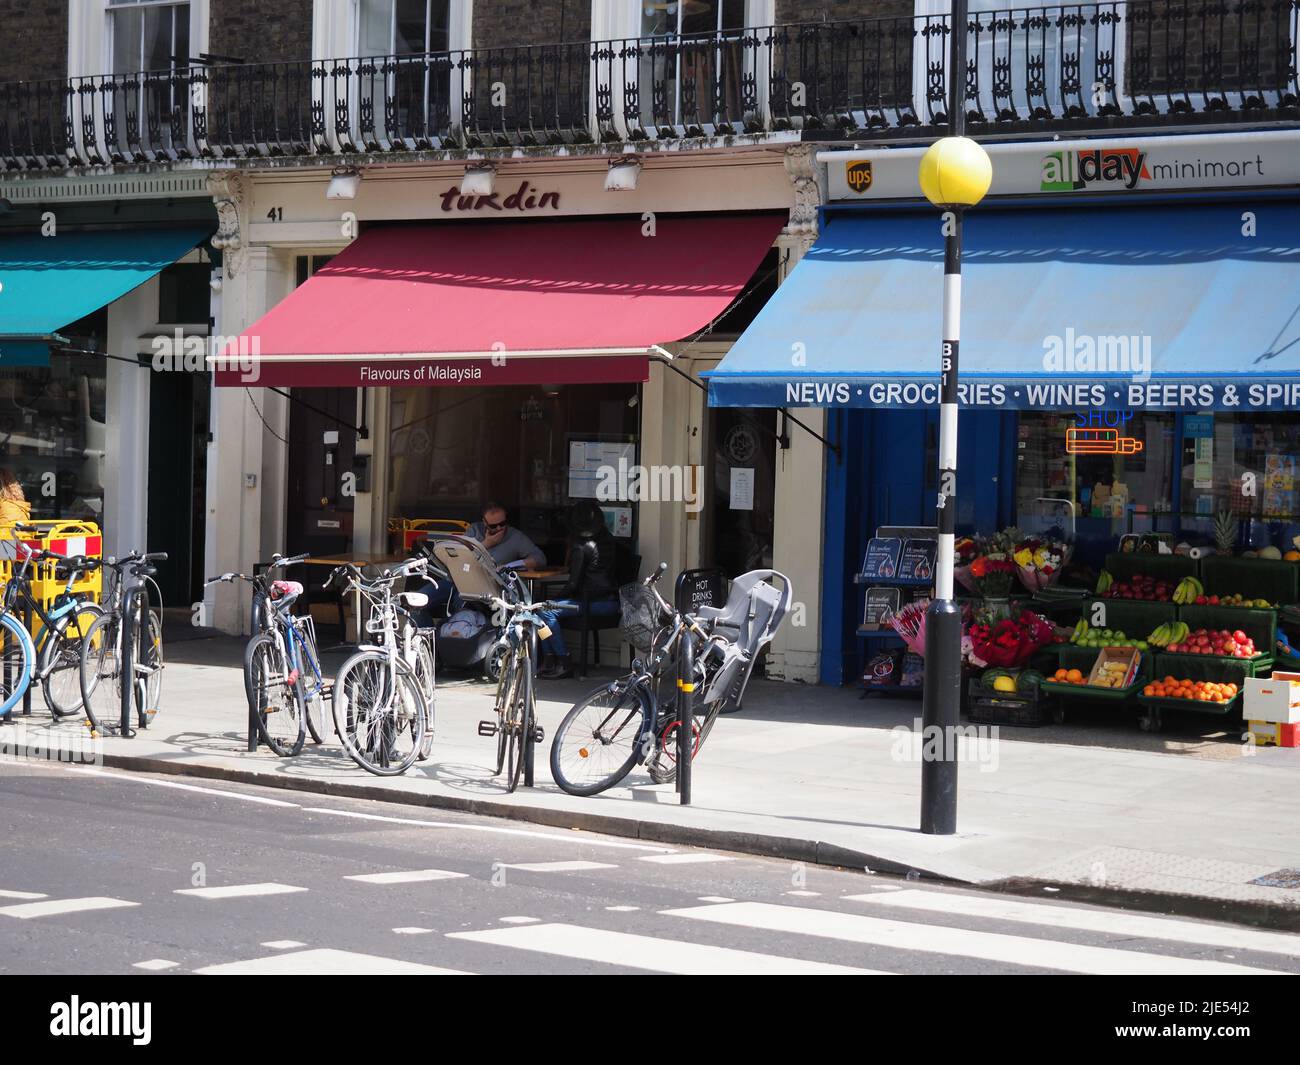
1270	552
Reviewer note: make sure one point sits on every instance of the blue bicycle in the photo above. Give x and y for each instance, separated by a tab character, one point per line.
282	672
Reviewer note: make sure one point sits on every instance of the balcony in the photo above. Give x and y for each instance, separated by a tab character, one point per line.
1144	65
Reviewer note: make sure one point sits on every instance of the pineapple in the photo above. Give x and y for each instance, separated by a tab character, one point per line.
1225	532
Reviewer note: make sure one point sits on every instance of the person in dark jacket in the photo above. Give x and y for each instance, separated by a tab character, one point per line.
591	572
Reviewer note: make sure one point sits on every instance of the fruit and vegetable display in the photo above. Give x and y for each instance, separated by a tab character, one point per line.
1203	691
1085	635
1039	561
1139	586
1012	682
1110	675
1233	600
1177	637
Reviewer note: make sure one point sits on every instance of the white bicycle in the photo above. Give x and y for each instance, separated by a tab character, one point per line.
384	694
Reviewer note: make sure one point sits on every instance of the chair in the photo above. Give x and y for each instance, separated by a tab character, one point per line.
627	567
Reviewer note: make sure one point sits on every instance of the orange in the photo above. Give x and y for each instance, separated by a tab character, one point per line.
1074	676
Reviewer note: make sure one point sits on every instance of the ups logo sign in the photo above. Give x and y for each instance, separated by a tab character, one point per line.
859	175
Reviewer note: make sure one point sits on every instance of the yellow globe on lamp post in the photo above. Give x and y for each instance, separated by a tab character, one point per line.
955	173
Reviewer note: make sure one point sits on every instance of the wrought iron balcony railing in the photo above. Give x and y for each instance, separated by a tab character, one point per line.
1123	65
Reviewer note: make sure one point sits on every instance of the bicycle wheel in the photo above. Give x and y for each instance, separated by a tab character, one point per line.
600	739
101	674
662	764
313	683
16	662
59	663
504	680
275	698
380	715
425	676
148	670
518	718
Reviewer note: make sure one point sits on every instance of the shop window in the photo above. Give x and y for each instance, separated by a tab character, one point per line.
184	296
1114	468
453	449
1243	464
52	432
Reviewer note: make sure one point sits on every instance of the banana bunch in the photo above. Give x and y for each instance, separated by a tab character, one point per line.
1080	630
1104	581
1187	591
1169	632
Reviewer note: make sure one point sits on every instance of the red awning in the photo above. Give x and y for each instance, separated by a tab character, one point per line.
579	300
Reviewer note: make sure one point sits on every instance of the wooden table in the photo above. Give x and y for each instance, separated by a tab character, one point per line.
541	576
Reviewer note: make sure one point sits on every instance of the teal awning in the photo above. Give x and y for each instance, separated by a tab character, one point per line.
47	283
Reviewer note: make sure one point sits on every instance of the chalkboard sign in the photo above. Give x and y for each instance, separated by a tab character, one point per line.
881	605
917	562
881	561
700	587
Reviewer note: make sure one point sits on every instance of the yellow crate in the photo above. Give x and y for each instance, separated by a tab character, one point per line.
1273	734
63	537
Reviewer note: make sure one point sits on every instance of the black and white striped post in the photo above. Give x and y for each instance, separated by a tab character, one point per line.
955	174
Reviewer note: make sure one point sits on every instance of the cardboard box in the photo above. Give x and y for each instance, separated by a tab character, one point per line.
1130	656
1275	698
1273	734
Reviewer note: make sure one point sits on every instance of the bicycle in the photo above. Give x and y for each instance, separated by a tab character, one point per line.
382	696
634	719
515	727
283	680
56	647
124	642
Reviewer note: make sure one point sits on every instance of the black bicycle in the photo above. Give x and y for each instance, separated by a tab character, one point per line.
635	719
123	647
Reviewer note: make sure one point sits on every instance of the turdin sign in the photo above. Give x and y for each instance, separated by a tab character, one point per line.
1130	165
522	200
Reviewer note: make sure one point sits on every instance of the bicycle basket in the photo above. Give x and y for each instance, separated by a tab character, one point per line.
639	616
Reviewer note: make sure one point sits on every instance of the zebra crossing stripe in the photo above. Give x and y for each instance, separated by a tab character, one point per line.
1084	920
649	952
959	942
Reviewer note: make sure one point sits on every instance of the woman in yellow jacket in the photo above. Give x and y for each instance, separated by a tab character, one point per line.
13	504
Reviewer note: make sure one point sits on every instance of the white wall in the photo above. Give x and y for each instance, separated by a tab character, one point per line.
126	462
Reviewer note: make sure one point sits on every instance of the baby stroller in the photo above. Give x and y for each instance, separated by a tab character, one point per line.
467	638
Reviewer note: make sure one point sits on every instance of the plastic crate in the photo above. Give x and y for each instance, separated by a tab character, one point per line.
1136	618
1255	578
987	707
406	532
1198	667
1273	734
64	538
1259	624
1124	565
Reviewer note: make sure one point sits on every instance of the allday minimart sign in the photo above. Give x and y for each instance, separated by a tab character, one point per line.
1071	168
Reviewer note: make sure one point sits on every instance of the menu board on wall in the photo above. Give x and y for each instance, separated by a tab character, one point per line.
593	462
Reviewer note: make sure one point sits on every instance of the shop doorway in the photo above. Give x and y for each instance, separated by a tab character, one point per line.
321	451
741	486
178	439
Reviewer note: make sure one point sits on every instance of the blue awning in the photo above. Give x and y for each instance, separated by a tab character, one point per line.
1162	307
50	282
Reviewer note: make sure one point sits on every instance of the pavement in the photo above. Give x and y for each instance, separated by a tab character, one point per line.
238	879
1188	821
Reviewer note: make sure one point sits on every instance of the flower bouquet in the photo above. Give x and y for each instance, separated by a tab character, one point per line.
1039	562
992	575
965	551
1009	642
909	623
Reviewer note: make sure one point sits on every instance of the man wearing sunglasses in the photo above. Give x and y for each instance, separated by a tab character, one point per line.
505	543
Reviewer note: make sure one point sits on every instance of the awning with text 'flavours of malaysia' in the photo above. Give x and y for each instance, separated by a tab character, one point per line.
502	303
1155	307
